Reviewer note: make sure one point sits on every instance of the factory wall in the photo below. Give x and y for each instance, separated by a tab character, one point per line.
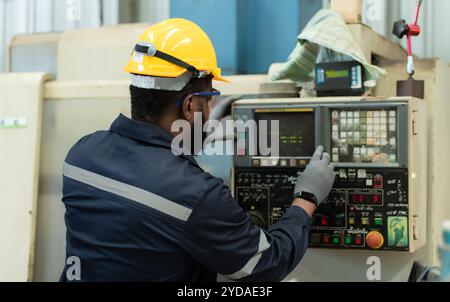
249	34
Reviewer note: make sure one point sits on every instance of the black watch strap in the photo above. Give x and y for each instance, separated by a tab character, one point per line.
307	196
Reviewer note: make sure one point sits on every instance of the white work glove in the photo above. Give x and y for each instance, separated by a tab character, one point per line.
318	177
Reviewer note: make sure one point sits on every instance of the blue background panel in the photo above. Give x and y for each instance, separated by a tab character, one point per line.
249	35
218	18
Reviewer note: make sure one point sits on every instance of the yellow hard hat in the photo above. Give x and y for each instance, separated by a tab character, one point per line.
172	48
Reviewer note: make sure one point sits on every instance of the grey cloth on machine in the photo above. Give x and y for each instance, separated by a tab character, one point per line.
326	38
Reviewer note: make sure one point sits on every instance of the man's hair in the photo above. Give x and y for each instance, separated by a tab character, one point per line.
153	104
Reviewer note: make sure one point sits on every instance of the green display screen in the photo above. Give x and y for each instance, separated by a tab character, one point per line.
336	74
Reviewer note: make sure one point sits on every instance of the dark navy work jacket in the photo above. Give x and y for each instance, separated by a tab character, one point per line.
137	212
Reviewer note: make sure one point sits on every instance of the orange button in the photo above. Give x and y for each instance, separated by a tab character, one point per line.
374	240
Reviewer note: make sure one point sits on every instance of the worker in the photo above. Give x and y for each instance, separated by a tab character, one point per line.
135	211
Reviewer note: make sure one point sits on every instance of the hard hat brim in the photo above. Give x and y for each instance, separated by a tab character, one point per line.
218	77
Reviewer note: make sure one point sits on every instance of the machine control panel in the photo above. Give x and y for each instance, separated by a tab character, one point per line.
364	203
378	198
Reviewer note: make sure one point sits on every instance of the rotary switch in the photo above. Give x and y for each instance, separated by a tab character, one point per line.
257	219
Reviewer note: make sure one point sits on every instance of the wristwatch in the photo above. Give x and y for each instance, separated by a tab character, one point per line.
307	196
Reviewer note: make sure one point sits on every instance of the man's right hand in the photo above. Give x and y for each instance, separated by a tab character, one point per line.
318	177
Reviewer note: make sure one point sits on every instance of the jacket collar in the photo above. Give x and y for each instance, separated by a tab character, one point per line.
145	132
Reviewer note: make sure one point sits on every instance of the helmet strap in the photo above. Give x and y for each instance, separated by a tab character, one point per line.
149	49
161	83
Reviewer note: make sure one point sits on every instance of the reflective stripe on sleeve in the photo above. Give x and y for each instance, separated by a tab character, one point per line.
248	268
127	191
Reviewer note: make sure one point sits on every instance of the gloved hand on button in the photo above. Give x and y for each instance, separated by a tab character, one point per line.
318	177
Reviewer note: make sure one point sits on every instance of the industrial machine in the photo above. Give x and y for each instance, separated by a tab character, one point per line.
378	146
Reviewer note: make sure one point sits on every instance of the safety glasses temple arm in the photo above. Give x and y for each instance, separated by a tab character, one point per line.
204	94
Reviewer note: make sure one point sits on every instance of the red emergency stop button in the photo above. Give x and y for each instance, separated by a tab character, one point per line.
374	240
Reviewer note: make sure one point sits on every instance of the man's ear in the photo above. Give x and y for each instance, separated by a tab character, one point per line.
188	112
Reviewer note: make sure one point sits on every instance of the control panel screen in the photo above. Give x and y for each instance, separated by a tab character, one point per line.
364	136
333	74
296	130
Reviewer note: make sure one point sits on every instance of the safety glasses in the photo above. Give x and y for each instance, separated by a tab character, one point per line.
201	94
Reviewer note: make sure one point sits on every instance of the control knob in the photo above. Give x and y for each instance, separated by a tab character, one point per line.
257	219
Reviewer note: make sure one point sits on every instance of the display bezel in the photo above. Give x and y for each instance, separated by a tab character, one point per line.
258	113
246	113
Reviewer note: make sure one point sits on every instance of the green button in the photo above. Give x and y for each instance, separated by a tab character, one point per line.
378	221
336	240
348	240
